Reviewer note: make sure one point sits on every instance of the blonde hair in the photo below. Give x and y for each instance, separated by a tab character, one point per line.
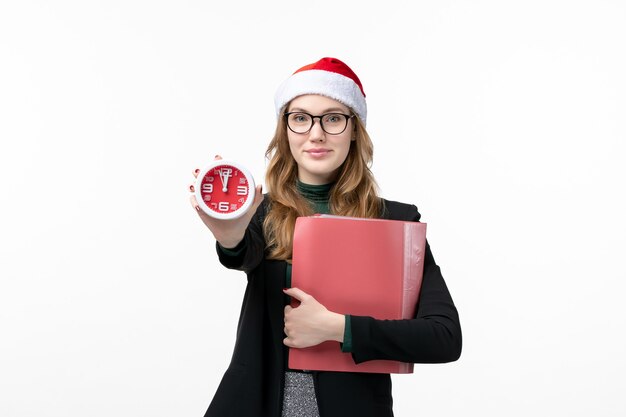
354	192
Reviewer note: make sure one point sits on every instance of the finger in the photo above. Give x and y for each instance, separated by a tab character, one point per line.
288	342
194	203
218	157
258	197
196	172
288	309
192	188
297	293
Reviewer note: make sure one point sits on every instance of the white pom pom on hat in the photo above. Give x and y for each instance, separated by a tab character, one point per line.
328	77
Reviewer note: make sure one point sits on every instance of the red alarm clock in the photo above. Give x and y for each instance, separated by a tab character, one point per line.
224	189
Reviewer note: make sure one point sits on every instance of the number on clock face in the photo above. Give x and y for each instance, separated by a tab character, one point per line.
224	189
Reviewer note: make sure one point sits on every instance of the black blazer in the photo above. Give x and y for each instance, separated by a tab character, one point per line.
253	383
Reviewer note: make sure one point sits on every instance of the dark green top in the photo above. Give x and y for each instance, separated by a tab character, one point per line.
317	195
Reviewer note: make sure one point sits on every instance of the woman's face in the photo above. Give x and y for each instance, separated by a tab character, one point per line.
318	154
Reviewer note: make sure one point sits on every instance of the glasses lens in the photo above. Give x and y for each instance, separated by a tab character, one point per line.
334	123
299	122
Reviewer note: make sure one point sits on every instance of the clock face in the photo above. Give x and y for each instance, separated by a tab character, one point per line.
224	190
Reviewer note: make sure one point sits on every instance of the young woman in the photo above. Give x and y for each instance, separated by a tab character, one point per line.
319	162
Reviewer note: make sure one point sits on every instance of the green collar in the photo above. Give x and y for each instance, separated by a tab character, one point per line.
318	195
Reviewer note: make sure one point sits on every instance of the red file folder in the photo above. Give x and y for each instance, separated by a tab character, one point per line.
362	267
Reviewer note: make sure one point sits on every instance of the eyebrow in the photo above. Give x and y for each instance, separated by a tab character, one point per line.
329	110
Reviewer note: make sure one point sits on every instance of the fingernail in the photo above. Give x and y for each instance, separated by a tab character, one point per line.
191	188
196	170
285	289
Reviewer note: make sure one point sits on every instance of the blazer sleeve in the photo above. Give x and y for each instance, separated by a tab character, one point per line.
433	336
250	251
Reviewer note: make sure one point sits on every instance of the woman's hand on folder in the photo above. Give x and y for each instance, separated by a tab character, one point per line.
310	323
227	232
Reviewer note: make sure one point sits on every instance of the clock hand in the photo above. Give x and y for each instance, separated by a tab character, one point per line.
225	181
222	178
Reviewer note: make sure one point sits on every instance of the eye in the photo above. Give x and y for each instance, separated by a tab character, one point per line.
333	118
299	118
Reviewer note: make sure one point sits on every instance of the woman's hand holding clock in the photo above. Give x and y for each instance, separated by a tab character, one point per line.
227	222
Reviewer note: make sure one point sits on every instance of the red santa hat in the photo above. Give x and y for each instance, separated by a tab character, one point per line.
327	77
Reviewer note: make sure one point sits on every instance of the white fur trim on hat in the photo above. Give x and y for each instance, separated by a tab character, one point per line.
325	83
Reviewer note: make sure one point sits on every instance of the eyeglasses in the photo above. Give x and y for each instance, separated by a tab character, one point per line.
331	123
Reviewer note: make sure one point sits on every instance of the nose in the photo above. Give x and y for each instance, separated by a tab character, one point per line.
317	133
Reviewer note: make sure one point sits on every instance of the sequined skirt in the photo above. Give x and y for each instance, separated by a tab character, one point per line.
299	395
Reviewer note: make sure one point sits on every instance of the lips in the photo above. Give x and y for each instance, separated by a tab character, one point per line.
318	152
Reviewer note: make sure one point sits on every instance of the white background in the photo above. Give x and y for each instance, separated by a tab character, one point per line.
502	120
